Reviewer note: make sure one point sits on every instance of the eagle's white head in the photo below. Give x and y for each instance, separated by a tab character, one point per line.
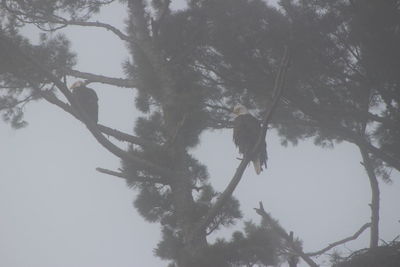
78	84
240	110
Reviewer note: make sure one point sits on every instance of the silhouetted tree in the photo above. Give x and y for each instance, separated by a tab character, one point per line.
189	68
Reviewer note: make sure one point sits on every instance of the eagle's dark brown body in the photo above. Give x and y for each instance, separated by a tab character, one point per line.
246	130
88	100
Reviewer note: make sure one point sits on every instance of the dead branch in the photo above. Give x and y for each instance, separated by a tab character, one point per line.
120	136
283	234
278	88
96	24
51	98
136	178
120	82
340	242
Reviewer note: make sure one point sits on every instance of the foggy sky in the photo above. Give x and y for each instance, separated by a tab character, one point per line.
57	211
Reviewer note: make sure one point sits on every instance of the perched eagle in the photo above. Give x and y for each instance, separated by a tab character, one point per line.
246	130
87	98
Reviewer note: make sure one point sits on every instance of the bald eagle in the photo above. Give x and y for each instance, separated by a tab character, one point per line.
87	98
246	130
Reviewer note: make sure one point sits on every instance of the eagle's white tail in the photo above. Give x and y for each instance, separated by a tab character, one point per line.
257	166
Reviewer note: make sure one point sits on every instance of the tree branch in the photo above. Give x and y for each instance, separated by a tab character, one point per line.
389	159
374	236
127	177
44	18
96	24
355	113
283	234
355	138
346	134
120	82
344	240
51	98
8	46
278	88
121	136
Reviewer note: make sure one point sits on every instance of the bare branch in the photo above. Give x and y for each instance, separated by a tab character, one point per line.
278	88
120	82
283	234
121	136
51	98
139	178
136	178
113	173
340	242
44	18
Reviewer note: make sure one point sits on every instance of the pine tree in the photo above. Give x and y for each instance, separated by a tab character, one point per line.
189	68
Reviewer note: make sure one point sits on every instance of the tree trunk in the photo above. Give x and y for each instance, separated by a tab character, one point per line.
292	261
374	237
